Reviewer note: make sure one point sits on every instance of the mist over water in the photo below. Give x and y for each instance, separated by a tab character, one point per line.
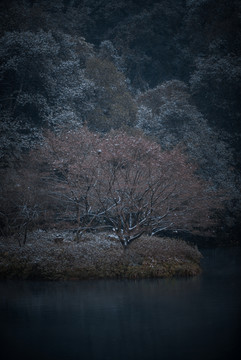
190	318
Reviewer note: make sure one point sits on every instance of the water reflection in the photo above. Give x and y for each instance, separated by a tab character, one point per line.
196	318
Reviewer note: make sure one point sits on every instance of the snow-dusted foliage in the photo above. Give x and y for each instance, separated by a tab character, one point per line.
16	136
55	80
166	113
170	69
109	52
43	84
70	90
26	60
114	106
215	86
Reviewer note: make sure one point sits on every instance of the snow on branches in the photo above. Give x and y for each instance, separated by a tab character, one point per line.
125	182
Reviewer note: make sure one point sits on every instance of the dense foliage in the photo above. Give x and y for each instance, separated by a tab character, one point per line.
167	69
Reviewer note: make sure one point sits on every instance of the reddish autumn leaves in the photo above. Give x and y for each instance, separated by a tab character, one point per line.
125	182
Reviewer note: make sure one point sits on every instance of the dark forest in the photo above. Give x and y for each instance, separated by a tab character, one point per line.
78	76
120	179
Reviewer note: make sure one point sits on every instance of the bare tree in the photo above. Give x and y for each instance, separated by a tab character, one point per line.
129	183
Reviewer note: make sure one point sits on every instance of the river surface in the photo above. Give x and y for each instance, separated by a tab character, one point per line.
190	318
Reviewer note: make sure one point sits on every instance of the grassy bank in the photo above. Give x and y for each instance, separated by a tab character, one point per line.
55	256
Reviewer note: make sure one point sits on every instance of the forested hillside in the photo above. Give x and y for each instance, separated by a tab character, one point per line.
165	73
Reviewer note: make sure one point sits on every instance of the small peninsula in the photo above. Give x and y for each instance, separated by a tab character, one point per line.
54	255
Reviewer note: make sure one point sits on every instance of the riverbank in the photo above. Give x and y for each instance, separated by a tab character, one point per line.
56	256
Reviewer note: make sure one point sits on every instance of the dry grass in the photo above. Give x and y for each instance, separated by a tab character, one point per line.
54	256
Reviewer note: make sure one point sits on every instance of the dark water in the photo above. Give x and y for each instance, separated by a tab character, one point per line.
194	318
